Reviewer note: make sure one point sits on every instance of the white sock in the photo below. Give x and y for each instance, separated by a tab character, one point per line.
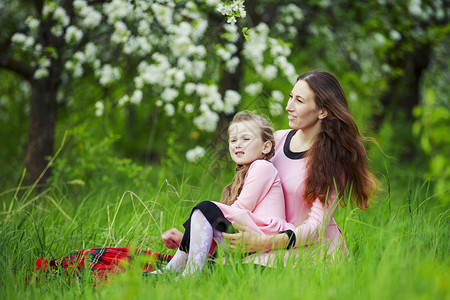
177	262
201	239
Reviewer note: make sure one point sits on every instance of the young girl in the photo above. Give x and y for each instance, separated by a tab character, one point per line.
254	194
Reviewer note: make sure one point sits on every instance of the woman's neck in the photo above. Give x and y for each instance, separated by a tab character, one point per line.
303	139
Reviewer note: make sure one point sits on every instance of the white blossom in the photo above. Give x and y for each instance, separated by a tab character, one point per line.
254	49
415	8
144	27
379	38
73	34
178	77
189	108
199	29
292	14
232	34
121	32
170	110
163	14
75	68
223	53
91	17
195	154
99	108
277	48
136	98
169	94
57	30
287	68
117	9
254	88
80	56
32	23
276	109
213	3
232	64
395	35
232	10
40	73
353	97
23	40
108	74
232	97
90	52
190	88
277	96
270	72
60	15
124	100
48	9
207	120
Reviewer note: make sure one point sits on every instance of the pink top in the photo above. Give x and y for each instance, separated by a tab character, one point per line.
311	223
260	205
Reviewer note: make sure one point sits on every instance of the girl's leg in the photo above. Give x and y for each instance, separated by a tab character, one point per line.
200	242
177	262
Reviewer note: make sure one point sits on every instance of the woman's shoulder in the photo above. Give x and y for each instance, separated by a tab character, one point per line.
281	134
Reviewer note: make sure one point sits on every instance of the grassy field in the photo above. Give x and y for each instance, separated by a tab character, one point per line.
398	248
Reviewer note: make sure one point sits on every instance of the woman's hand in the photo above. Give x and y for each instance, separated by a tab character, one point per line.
247	240
172	238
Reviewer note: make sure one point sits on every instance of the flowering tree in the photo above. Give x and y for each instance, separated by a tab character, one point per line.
187	58
180	55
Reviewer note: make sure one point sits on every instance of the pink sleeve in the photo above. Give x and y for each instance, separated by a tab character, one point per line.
318	218
258	181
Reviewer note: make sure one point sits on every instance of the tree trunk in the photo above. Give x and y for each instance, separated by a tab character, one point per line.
404	91
42	126
400	99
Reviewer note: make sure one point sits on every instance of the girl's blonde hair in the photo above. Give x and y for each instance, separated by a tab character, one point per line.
232	190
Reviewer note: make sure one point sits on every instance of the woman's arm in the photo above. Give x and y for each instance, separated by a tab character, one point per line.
248	240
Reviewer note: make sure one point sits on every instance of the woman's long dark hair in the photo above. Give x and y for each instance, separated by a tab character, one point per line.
337	157
232	190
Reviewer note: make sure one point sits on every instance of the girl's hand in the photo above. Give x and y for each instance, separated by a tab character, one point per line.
246	240
172	238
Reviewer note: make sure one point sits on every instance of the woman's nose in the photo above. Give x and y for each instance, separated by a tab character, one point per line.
289	105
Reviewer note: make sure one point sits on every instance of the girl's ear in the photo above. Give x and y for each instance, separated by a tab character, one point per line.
267	147
323	113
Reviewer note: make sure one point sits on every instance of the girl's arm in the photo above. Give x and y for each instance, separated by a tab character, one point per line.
259	180
306	233
172	238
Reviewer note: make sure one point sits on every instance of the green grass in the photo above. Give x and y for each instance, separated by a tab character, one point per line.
398	249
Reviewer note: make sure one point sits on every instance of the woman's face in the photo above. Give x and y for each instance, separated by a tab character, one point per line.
245	142
303	113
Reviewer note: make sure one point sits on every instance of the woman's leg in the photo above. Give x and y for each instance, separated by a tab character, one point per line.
200	242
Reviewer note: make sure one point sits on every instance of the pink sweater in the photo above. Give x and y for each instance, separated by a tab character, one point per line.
311	223
260	205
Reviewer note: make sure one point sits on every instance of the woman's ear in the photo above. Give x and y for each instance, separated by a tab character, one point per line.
323	113
267	147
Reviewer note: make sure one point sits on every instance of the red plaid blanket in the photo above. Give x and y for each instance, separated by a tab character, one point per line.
102	262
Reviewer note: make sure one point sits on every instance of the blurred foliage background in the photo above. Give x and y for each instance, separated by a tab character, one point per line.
392	58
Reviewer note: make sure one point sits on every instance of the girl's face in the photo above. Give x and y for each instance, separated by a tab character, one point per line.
245	142
303	113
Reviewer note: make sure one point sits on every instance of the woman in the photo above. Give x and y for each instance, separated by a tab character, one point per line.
321	162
